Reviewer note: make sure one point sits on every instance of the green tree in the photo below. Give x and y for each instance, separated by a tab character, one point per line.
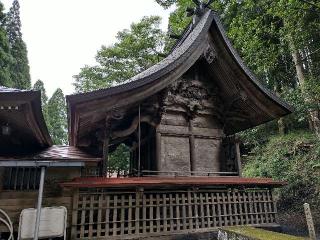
19	69
39	86
136	49
57	118
5	56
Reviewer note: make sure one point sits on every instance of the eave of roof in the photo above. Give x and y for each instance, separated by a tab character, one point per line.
35	117
246	70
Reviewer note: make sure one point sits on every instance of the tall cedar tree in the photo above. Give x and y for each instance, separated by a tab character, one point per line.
57	116
39	86
136	49
19	69
5	56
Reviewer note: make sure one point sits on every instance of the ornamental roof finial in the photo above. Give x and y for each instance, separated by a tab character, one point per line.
199	10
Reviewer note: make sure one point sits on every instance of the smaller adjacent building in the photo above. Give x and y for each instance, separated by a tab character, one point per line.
178	118
25	147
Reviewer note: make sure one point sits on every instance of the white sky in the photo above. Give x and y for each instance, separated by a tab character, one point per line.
64	35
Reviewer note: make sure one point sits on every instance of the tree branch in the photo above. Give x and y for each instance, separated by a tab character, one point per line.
310	3
315	51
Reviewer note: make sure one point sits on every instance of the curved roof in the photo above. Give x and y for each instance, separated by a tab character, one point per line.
21	111
86	109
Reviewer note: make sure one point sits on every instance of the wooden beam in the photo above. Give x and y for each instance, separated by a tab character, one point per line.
158	150
238	156
105	149
192	148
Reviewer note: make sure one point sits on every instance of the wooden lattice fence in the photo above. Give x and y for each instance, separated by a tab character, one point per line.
105	214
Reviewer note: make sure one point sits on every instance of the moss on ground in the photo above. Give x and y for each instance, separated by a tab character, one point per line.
259	234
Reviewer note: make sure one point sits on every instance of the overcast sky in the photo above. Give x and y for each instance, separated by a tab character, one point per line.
64	35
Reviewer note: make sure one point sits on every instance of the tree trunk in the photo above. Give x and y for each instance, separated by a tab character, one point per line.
282	128
314	118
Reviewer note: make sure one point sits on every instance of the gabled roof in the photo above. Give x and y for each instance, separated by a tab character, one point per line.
241	90
21	111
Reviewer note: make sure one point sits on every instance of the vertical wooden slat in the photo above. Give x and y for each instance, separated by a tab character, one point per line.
196	213
91	216
260	207
251	211
184	214
165	223
202	211
274	208
122	216
137	213
229	205
107	226
235	202
256	215
178	217
130	214
144	214
16	178
245	199
225	214
270	207
28	178
115	215
265	207
172	225
240	201
158	212
99	215
190	214
207	210
219	205
83	215
22	178
151	213
75	207
213	209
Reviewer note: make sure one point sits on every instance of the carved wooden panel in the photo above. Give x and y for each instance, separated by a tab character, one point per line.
207	153
175	154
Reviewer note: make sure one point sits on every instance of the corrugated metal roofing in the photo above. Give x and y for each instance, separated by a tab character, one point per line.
56	153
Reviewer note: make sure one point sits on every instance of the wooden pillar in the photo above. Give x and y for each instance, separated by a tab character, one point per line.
105	164
192	149
238	156
158	151
105	149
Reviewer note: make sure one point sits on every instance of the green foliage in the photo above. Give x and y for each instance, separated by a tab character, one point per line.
136	50
19	67
39	86
5	56
119	160
293	158
57	118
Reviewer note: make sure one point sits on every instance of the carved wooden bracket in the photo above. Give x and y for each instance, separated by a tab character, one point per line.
210	54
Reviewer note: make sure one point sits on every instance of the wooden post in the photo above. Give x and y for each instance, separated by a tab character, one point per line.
307	211
238	156
105	150
158	150
192	149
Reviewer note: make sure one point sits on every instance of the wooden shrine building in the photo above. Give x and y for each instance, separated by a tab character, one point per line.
178	118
